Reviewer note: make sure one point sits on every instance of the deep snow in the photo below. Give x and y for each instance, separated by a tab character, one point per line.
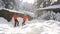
31	27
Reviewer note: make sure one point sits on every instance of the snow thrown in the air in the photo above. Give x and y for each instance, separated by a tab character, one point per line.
40	27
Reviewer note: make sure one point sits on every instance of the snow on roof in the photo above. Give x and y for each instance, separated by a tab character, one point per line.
22	12
14	11
50	7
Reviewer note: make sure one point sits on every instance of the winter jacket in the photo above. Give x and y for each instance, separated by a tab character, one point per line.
15	16
25	18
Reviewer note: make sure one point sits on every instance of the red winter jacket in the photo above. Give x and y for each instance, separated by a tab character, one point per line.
15	16
25	18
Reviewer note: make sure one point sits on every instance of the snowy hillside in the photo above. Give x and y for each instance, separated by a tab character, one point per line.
34	27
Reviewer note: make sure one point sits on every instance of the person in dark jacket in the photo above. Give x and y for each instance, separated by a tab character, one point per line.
15	19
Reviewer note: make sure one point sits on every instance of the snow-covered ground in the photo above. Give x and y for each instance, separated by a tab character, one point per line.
31	27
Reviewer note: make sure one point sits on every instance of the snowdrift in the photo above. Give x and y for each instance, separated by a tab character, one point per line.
43	27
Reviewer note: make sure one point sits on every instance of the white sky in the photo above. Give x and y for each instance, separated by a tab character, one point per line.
29	1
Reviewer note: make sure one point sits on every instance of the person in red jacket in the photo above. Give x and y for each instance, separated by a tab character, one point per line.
15	19
25	17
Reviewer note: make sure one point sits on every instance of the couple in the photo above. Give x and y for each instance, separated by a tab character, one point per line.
16	21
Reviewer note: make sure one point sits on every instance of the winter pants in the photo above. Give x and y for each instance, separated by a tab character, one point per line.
16	23
23	23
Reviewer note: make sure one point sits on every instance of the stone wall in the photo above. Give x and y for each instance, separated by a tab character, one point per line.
8	15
